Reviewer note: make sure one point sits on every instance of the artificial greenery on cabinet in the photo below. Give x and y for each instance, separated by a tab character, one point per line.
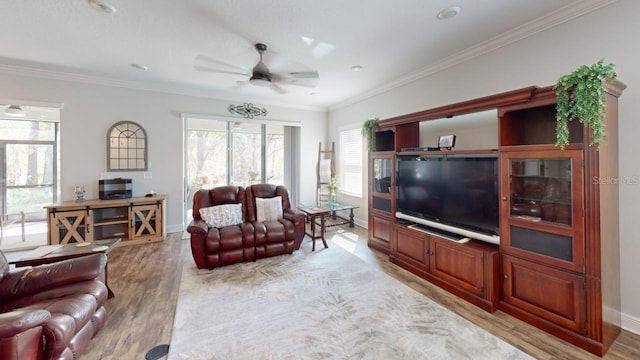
581	95
369	133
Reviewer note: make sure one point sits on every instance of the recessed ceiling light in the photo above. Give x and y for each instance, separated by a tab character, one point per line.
139	67
102	6
356	67
449	12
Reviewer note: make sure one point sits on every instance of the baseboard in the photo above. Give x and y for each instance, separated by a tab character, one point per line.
631	323
175	228
361	223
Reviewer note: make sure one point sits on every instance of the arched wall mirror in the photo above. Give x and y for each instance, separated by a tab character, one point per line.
126	147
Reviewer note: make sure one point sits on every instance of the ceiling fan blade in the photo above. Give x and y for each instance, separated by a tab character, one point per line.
277	88
202	68
240	83
305	74
212	60
309	83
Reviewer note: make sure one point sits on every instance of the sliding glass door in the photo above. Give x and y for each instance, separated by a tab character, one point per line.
219	152
246	154
28	180
275	154
206	156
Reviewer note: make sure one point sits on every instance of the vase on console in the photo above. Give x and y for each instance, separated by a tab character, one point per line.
332	198
333	189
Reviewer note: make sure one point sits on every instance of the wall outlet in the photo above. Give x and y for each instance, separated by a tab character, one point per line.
147	175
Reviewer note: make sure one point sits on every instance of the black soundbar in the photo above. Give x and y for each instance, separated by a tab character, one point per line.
420	149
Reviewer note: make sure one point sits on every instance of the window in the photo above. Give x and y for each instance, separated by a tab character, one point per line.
28	175
221	152
274	154
351	162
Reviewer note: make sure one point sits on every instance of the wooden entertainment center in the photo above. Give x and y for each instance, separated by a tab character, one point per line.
557	265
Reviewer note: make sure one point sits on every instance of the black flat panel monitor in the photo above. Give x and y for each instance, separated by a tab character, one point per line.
454	190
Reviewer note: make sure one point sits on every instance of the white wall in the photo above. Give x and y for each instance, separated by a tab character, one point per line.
466	139
89	111
610	33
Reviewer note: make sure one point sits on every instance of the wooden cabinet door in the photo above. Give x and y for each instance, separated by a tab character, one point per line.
555	295
70	226
382	183
458	265
411	247
380	232
146	221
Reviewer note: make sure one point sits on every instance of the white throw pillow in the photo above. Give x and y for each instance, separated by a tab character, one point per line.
222	215
269	209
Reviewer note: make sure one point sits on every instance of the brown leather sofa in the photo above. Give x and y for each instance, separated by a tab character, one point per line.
251	239
51	311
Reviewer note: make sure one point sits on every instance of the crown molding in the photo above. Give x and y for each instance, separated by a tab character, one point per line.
562	15
142	86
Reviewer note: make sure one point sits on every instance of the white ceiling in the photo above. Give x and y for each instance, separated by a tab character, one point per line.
394	41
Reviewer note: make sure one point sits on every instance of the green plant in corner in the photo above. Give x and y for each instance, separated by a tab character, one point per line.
369	133
580	95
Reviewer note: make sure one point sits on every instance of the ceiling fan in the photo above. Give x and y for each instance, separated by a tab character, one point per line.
260	75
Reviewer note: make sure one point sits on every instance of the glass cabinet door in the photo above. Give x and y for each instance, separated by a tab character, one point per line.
382	183
542	206
540	189
382	172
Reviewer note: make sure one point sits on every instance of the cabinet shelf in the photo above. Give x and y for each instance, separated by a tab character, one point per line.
111	222
539	201
541	177
540	225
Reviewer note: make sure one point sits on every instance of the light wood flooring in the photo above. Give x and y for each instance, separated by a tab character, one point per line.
145	279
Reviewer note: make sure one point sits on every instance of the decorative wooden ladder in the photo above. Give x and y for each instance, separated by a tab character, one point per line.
325	170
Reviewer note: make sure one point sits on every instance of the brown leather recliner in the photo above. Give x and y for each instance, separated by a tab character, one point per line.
250	240
51	311
278	236
212	247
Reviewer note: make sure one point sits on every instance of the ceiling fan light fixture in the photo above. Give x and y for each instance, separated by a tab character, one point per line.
14	111
260	80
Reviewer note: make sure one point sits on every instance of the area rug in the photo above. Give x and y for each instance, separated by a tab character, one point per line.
328	304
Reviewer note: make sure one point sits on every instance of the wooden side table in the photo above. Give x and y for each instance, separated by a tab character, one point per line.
313	213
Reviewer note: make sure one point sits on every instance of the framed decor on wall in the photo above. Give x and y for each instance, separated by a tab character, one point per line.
446	142
126	147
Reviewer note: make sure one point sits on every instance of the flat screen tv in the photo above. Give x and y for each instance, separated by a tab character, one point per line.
456	193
